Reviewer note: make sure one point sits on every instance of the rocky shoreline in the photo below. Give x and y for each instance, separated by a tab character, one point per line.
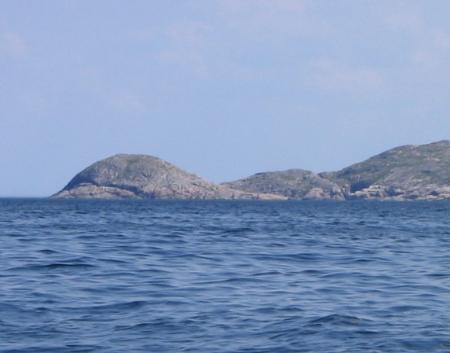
412	172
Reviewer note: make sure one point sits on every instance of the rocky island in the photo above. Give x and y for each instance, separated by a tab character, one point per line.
127	176
296	184
404	173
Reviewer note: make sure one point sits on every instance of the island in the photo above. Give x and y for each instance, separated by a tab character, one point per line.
411	172
131	176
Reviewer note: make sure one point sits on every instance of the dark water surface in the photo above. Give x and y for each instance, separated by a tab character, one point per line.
98	276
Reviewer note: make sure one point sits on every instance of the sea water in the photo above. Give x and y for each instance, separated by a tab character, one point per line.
224	276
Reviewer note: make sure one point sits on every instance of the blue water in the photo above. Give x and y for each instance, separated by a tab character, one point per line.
212	277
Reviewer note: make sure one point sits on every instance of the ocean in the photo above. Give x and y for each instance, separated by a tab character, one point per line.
224	276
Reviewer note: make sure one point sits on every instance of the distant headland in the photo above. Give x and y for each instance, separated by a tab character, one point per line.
411	172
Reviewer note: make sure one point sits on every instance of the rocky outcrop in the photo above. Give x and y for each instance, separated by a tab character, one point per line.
140	177
403	173
292	183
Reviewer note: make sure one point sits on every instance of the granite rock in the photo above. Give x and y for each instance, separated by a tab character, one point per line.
126	176
292	183
409	172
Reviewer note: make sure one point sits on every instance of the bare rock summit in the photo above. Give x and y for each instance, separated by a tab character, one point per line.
411	172
292	183
127	176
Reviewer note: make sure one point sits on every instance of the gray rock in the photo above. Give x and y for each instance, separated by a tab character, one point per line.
292	183
403	173
139	176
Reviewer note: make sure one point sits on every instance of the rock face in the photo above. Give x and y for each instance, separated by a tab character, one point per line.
292	183
140	177
403	173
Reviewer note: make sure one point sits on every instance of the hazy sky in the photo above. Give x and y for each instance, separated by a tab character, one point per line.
222	88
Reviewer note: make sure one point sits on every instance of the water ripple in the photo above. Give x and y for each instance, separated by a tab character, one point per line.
225	277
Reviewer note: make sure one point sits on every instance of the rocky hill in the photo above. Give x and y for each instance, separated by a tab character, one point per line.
404	173
292	183
140	177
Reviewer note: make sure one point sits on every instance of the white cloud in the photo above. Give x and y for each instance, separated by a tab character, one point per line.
129	102
335	77
404	16
427	43
265	18
186	45
442	40
430	56
12	44
261	6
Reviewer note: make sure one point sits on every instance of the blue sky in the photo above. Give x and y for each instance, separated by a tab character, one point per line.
223	88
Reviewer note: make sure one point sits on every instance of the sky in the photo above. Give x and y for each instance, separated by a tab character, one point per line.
222	88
